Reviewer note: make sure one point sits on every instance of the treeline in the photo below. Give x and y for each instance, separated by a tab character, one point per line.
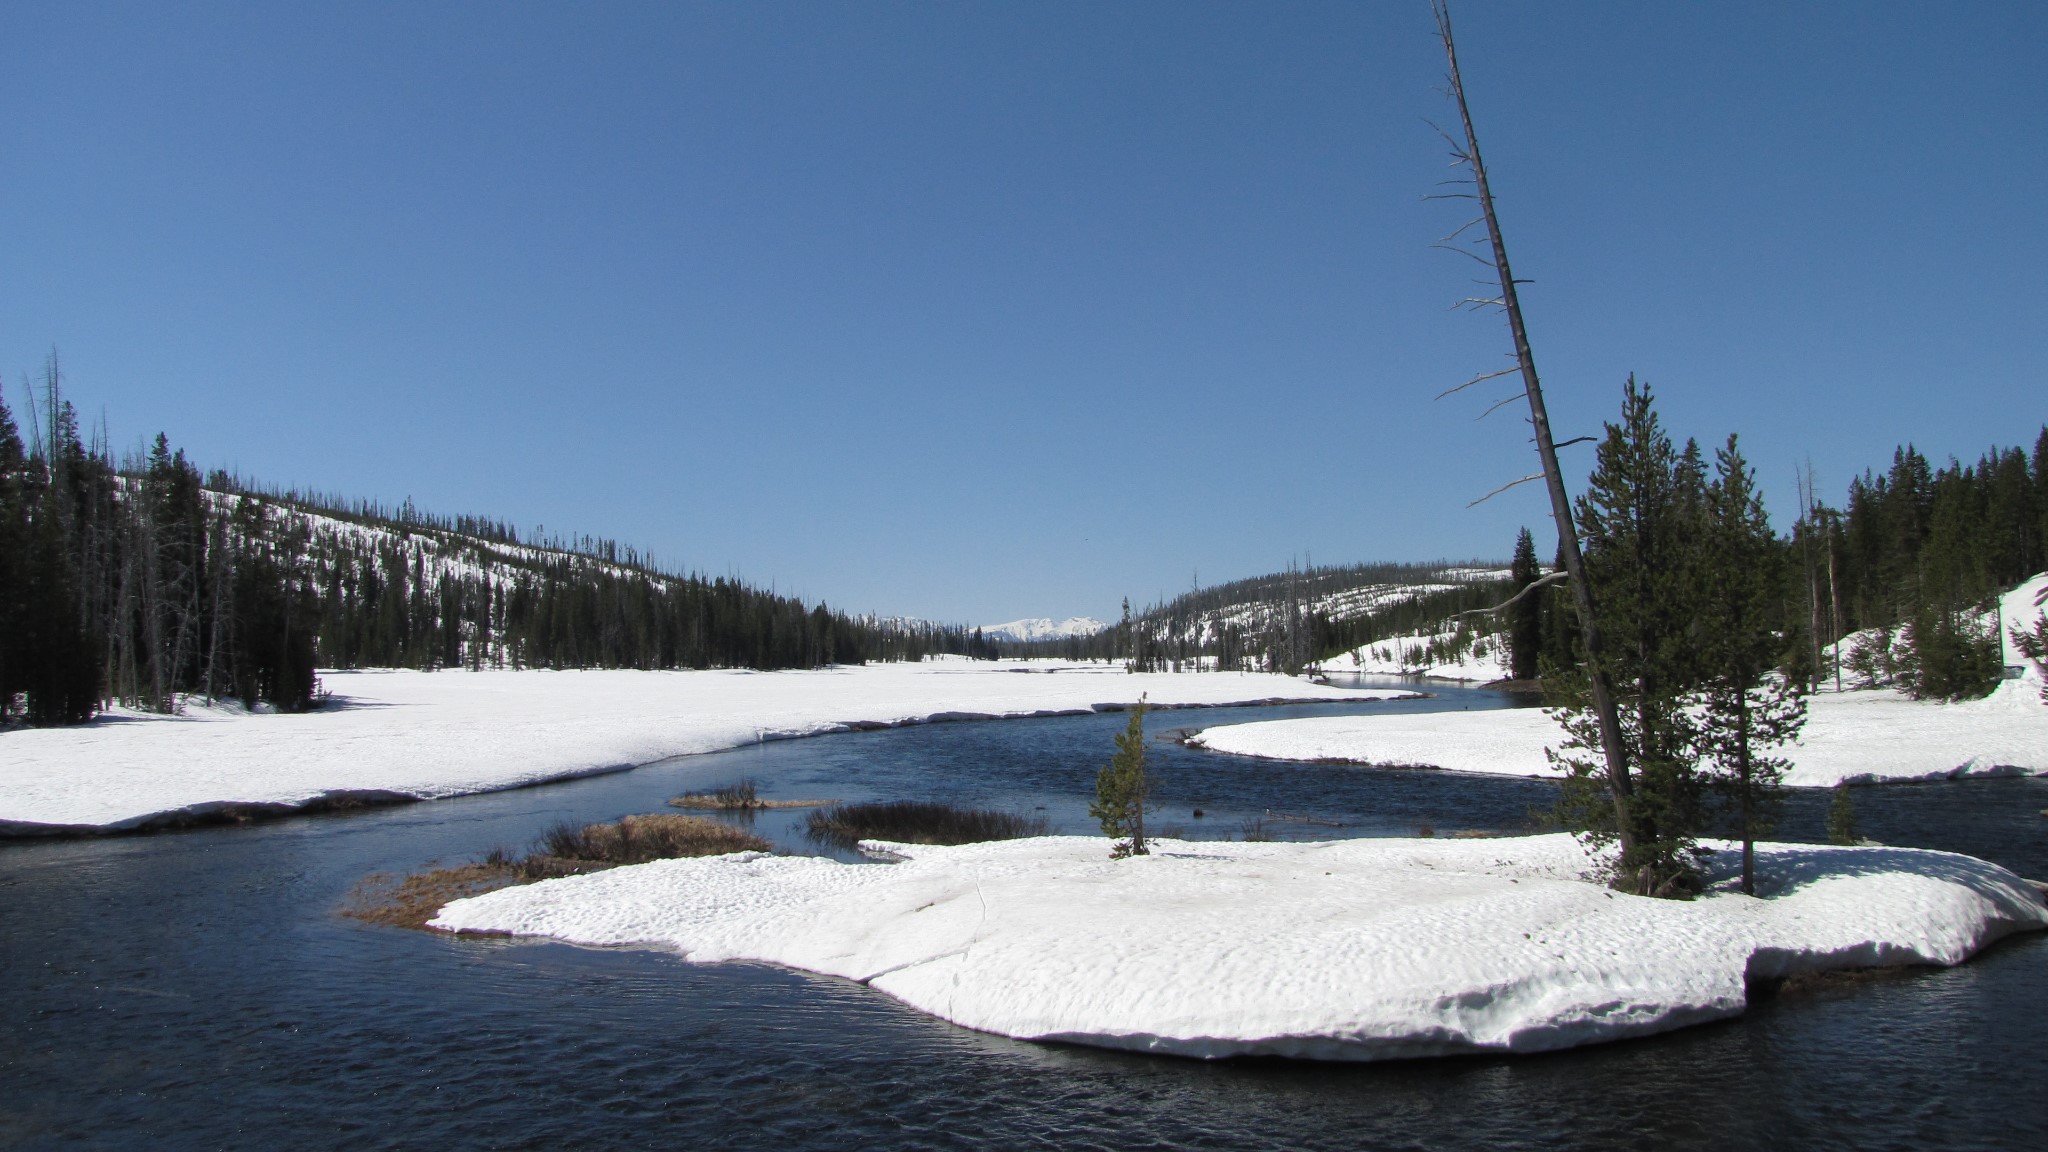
1917	548
1912	562
142	583
1284	622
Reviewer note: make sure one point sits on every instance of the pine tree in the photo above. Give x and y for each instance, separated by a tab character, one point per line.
1842	818
1121	791
1748	709
2032	643
14	536
1640	519
61	655
1525	619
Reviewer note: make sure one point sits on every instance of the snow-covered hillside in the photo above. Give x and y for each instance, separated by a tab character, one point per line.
1262	605
1042	628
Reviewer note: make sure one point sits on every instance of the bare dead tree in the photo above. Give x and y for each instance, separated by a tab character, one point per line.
1810	515
1465	153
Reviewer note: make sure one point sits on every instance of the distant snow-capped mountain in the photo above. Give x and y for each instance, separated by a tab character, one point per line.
1041	628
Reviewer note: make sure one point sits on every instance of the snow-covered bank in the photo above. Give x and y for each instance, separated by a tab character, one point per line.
1356	950
1857	737
396	735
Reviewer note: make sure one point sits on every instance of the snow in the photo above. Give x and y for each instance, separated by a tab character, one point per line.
2021	608
1481	658
1878	736
1043	628
428	735
1353	950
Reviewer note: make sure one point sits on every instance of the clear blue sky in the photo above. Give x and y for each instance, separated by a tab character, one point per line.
978	310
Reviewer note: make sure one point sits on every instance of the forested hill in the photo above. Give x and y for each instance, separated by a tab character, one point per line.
140	581
1902	573
1287	620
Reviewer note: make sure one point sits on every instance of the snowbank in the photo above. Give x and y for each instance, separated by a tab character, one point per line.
1353	950
400	735
1877	736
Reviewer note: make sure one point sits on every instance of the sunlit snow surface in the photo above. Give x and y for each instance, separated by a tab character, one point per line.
1859	737
428	735
1352	950
1872	736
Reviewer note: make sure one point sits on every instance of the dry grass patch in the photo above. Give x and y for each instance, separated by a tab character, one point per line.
738	797
638	839
567	849
919	822
411	901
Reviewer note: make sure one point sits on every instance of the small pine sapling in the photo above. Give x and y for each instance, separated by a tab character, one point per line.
1842	818
2034	646
1120	790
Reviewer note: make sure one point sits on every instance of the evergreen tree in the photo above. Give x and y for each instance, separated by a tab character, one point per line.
2032	643
61	676
1948	657
1121	791
1842	818
14	537
1525	619
1748	709
1124	637
1640	520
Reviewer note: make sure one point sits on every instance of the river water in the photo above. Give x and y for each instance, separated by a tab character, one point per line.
199	990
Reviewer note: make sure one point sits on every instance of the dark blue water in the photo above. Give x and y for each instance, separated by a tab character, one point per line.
198	990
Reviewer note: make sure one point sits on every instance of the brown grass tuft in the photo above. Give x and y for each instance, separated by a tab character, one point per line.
638	839
565	850
739	796
416	899
919	822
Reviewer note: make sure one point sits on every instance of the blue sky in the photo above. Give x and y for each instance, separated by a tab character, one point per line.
976	310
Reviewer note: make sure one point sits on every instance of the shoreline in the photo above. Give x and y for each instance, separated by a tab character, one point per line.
223	813
1506	945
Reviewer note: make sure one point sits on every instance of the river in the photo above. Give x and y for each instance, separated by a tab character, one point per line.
200	990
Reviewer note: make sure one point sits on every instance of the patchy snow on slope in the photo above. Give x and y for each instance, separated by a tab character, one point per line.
1043	628
1878	736
1351	950
428	735
1440	655
1868	657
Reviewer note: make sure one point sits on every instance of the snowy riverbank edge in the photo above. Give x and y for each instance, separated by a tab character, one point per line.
1347	950
1876	736
397	736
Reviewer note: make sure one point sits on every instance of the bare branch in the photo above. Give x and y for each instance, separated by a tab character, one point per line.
1456	145
1503	488
1476	380
1542	581
1461	230
1480	302
1466	253
1572	441
1502	403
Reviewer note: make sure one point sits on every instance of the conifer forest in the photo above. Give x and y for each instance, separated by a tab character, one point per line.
139	581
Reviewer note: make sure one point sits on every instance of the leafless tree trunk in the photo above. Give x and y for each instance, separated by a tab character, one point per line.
1619	785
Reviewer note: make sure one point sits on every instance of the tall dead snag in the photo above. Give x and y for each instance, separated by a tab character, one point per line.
1467	154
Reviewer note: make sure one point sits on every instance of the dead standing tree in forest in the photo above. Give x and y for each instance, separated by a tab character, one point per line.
1466	154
